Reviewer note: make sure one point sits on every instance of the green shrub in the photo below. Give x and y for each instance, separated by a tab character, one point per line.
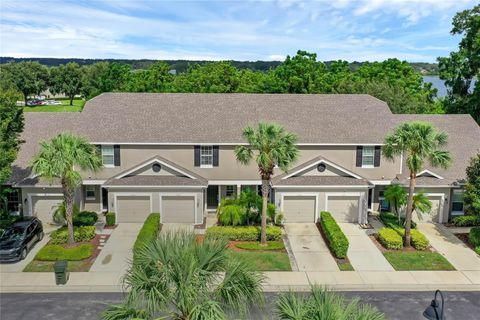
390	220
474	237
244	233
337	240
477	250
466	221
80	234
54	252
390	238
231	214
271	245
85	218
419	241
148	233
110	219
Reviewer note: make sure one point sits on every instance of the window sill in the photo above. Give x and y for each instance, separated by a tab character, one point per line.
109	166
206	166
458	213
368	167
90	199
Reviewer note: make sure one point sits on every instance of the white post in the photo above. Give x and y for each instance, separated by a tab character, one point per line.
239	188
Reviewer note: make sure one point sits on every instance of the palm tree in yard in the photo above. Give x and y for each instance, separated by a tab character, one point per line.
58	159
176	276
270	144
396	196
418	142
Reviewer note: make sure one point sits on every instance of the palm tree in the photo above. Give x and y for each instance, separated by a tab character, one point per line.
396	195
58	158
274	146
418	142
421	204
177	276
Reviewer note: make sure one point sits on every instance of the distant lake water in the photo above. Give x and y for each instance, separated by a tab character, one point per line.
439	84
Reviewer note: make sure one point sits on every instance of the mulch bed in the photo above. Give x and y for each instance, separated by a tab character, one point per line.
380	247
464	238
110	227
337	260
232	244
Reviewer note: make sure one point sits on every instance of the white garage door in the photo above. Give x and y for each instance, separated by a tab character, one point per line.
299	208
133	208
43	207
343	208
178	209
433	215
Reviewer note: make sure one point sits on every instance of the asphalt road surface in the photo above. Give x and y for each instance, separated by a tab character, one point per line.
79	306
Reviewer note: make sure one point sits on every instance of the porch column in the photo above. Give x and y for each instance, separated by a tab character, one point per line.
239	188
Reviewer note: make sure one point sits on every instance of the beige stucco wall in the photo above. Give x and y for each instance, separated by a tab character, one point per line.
230	169
92	205
156	194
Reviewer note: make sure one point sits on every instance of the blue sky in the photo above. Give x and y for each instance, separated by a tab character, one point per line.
414	30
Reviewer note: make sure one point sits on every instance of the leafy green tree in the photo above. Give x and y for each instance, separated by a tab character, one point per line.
28	77
177	277
212	77
418	142
66	79
76	153
471	197
11	126
396	195
94	79
270	144
462	67
158	77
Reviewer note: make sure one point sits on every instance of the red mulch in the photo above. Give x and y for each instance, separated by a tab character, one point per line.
464	238
380	247
110	227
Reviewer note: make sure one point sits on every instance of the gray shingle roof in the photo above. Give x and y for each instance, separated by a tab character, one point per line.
154	181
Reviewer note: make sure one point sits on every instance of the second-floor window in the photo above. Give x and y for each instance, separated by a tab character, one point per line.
108	156
368	156
206	156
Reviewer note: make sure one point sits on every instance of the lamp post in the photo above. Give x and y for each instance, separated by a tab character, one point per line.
434	311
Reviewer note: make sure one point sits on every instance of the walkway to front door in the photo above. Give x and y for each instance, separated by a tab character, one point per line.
310	251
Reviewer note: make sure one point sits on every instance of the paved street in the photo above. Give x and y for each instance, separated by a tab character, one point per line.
82	306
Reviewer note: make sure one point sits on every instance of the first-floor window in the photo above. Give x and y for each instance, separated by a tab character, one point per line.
90	192
13	200
206	156
457	201
384	204
230	191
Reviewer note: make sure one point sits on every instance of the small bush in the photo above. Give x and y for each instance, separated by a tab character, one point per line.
337	240
466	221
390	238
55	252
419	241
477	250
250	233
231	215
110	219
474	237
148	233
390	220
85	218
271	245
80	234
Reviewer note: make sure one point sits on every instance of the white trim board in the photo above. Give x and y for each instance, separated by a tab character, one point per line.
234	182
225	143
326	162
156	160
152	187
322	187
430	173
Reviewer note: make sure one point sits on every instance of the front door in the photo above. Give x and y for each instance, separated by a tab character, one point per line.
212	197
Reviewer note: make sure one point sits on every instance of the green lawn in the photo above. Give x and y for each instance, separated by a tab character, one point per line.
47	266
64	107
265	260
346	266
271	245
417	260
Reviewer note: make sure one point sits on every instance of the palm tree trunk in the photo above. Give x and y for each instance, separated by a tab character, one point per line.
68	195
265	192
408	215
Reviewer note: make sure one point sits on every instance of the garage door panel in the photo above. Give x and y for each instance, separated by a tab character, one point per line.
178	209
433	215
133	209
343	208
299	208
43	207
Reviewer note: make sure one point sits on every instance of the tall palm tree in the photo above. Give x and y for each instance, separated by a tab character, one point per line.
176	276
418	142
396	195
421	203
58	158
273	146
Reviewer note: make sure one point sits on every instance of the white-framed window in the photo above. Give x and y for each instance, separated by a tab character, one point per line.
457	201
90	193
108	157
368	156
230	191
206	156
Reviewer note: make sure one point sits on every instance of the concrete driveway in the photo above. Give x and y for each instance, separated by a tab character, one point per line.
20	265
117	252
310	251
362	252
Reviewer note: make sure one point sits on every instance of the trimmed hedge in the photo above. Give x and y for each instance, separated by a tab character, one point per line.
337	240
148	233
249	233
55	252
418	239
85	218
110	219
466	221
80	234
390	220
390	238
474	237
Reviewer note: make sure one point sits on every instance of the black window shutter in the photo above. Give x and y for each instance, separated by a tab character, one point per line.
378	152
196	156
215	156
359	156
116	155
